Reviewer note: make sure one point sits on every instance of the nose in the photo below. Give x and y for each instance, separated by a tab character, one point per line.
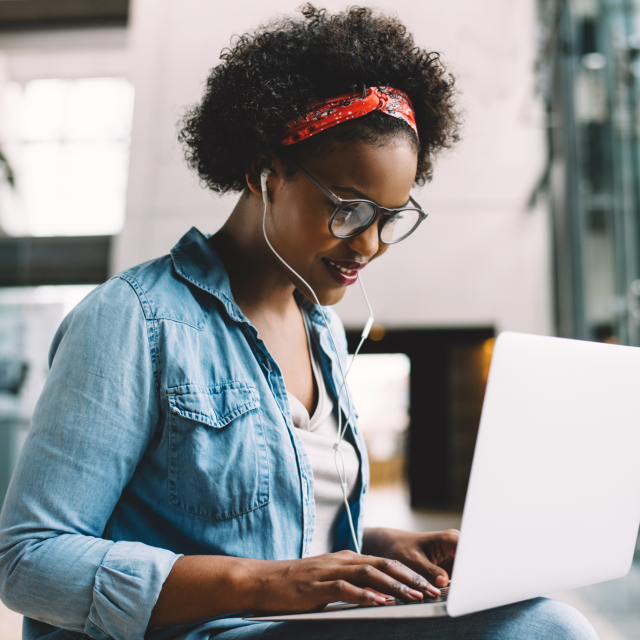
367	244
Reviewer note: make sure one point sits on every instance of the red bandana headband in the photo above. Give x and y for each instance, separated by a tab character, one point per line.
328	113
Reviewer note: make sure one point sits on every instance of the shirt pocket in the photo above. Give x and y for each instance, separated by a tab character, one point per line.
218	463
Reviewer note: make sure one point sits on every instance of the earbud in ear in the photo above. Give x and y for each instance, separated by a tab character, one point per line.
263	182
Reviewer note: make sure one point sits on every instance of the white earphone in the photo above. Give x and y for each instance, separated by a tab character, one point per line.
263	183
343	388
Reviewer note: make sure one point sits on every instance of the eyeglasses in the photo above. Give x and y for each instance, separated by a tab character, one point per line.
353	217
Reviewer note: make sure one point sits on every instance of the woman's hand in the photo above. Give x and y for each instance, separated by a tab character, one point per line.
429	554
203	587
293	586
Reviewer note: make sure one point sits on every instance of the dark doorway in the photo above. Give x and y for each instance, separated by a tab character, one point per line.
448	377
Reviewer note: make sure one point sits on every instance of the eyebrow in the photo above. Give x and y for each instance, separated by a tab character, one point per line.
355	191
359	193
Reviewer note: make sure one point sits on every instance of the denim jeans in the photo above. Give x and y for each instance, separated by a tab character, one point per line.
537	619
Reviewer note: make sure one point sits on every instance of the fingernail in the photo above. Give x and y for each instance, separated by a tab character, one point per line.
433	590
380	600
415	594
440	580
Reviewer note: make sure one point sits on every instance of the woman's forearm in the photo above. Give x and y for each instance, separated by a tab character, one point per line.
203	587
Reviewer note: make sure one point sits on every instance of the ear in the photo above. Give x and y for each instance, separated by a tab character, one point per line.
253	182
253	175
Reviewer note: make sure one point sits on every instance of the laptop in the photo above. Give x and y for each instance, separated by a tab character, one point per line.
555	480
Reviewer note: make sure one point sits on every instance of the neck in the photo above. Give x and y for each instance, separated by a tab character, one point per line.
259	283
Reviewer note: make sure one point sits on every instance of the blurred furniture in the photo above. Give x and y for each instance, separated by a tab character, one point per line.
32	261
13	431
13	373
47	14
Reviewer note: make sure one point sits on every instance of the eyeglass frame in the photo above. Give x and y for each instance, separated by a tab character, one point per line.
341	203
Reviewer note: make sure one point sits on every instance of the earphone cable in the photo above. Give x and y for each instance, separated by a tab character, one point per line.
365	333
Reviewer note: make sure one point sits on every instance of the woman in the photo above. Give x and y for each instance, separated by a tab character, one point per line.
179	473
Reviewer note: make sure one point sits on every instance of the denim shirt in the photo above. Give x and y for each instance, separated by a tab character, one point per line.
163	429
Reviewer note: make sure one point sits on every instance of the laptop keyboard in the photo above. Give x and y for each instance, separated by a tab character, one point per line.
338	606
444	592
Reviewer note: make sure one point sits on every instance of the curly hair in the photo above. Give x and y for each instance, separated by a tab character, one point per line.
270	76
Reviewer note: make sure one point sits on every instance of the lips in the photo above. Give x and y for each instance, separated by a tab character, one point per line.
344	272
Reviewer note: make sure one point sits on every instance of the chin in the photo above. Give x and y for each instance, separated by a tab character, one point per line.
331	296
326	296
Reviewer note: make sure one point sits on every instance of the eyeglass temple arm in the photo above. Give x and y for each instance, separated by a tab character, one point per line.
332	196
416	203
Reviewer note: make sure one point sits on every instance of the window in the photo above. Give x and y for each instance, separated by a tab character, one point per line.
67	142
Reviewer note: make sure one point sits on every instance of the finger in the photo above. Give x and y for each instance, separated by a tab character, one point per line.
408	575
436	561
368	576
343	590
450	539
447	565
378	593
442	544
436	575
393	568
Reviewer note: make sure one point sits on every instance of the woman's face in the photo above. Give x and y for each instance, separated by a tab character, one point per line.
299	212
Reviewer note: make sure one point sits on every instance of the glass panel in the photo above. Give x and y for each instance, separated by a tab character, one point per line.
592	65
67	142
29	318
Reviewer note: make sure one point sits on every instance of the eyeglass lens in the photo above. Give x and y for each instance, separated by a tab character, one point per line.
354	218
400	225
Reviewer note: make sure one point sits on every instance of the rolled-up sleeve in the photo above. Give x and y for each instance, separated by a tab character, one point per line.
95	418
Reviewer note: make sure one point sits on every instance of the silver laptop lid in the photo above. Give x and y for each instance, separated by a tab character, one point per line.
554	495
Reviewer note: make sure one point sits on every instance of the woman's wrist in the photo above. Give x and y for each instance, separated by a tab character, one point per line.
375	542
203	587
248	581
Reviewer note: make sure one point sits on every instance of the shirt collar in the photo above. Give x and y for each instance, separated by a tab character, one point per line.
310	308
195	260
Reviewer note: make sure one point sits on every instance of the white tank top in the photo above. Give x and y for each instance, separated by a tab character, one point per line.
318	434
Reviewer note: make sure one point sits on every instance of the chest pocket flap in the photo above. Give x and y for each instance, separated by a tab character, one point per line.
220	472
215	406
